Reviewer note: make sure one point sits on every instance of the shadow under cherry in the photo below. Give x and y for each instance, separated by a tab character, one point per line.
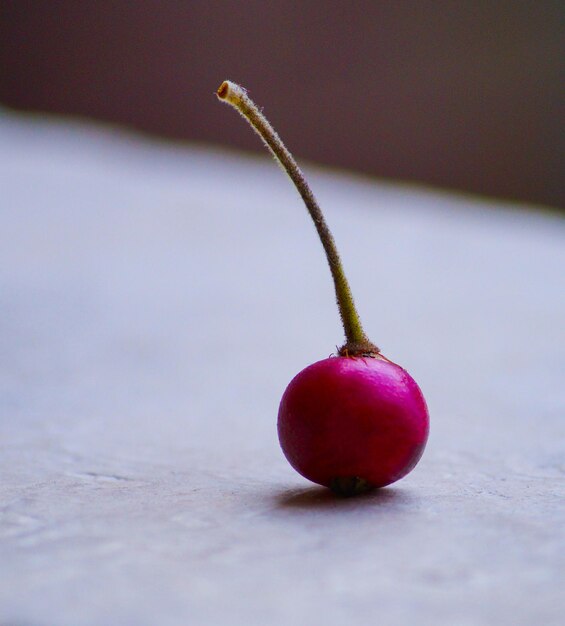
319	498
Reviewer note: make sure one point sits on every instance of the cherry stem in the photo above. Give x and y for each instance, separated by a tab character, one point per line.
357	342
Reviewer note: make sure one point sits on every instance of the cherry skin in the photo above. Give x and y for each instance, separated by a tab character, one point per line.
353	424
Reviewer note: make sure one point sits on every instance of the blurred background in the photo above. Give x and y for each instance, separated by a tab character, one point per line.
462	95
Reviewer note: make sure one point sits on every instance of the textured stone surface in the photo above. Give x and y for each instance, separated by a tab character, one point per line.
156	300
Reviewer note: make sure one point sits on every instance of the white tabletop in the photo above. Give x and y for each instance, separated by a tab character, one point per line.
155	300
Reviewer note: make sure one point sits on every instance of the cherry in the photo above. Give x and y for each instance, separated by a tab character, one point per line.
355	421
351	423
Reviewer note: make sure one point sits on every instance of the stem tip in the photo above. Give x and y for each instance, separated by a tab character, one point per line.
223	90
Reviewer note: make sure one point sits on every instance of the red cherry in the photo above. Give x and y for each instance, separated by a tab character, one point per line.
353	423
356	421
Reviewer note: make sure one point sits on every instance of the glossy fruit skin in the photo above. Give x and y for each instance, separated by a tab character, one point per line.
353	418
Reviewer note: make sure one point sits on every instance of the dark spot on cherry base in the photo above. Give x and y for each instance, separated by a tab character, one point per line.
347	486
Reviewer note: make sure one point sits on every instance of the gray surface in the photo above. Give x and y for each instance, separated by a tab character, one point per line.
155	301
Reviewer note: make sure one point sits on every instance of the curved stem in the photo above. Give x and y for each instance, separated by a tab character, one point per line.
356	340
